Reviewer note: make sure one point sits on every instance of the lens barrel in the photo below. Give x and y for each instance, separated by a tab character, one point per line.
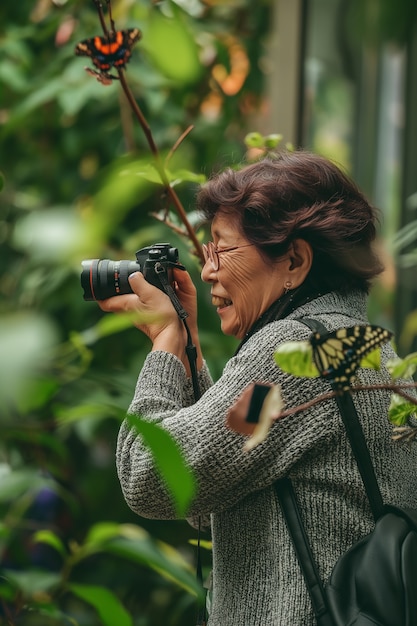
103	278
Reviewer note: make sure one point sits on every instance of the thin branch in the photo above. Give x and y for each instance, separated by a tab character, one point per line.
178	142
101	16
171	225
332	394
159	165
149	137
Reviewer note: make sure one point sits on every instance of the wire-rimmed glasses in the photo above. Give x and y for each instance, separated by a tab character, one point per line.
211	253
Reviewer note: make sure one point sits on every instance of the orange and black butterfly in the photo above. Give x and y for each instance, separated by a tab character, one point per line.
338	354
113	50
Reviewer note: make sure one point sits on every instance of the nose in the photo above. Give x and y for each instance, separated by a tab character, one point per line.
208	274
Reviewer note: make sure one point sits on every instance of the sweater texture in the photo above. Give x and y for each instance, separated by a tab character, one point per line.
256	578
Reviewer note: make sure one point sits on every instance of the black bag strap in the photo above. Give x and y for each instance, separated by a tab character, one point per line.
356	437
289	505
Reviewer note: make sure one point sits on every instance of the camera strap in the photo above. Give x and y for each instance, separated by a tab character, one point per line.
191	353
163	278
190	348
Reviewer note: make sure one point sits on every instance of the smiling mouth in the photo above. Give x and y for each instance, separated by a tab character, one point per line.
220	303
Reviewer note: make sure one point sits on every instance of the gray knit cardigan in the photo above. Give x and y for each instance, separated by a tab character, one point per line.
256	578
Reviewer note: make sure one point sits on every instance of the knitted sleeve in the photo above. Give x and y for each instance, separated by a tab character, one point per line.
224	472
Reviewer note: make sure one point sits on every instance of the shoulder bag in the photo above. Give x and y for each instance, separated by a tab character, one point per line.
374	583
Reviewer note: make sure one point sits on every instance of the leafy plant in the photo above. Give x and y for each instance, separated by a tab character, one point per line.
296	358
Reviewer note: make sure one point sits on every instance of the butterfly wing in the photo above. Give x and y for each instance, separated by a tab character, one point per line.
338	354
113	50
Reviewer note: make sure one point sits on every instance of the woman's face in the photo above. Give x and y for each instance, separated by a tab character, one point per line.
245	284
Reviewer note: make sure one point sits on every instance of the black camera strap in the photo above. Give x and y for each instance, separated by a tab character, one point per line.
160	270
190	348
191	353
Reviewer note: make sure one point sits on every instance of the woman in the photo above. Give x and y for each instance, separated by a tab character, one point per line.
292	238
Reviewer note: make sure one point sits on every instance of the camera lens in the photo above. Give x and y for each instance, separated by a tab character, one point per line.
102	278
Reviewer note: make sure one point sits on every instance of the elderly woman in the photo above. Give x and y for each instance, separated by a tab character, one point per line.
292	238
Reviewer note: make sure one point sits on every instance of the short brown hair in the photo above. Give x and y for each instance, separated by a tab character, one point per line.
300	195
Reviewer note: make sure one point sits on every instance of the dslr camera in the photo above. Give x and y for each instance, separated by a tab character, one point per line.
102	278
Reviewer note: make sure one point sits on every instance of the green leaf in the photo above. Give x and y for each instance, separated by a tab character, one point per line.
55	234
272	141
402	368
33	581
37	394
26	342
7	590
400	410
409	328
88	411
135	544
51	539
203	543
254	140
296	358
168	461
110	325
150	173
102	532
16	483
165	35
372	360
162	558
107	605
183	175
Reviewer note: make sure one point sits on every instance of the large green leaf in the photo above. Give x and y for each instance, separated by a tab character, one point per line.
107	605
170	44
169	461
159	556
135	544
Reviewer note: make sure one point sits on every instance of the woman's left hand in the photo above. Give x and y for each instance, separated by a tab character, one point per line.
156	315
155	312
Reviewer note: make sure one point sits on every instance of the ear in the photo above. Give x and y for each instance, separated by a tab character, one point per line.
300	262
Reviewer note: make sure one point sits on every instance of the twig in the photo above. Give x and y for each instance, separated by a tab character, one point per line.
149	137
101	16
332	394
171	225
159	165
178	142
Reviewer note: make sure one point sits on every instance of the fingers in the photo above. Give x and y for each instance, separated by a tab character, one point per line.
119	304
137	282
125	302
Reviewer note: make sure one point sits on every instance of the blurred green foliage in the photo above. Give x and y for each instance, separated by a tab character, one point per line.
77	181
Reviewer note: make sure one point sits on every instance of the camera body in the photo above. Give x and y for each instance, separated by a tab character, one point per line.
103	278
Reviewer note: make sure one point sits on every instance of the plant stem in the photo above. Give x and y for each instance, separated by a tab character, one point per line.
148	134
159	165
332	394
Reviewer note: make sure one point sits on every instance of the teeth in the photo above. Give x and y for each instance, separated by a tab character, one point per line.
220	302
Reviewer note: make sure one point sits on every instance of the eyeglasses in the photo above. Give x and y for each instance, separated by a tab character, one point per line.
212	254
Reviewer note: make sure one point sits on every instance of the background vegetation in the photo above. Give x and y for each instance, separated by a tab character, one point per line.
76	185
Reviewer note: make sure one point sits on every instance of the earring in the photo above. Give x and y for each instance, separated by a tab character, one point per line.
287	286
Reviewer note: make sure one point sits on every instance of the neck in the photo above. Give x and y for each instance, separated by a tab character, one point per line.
282	307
